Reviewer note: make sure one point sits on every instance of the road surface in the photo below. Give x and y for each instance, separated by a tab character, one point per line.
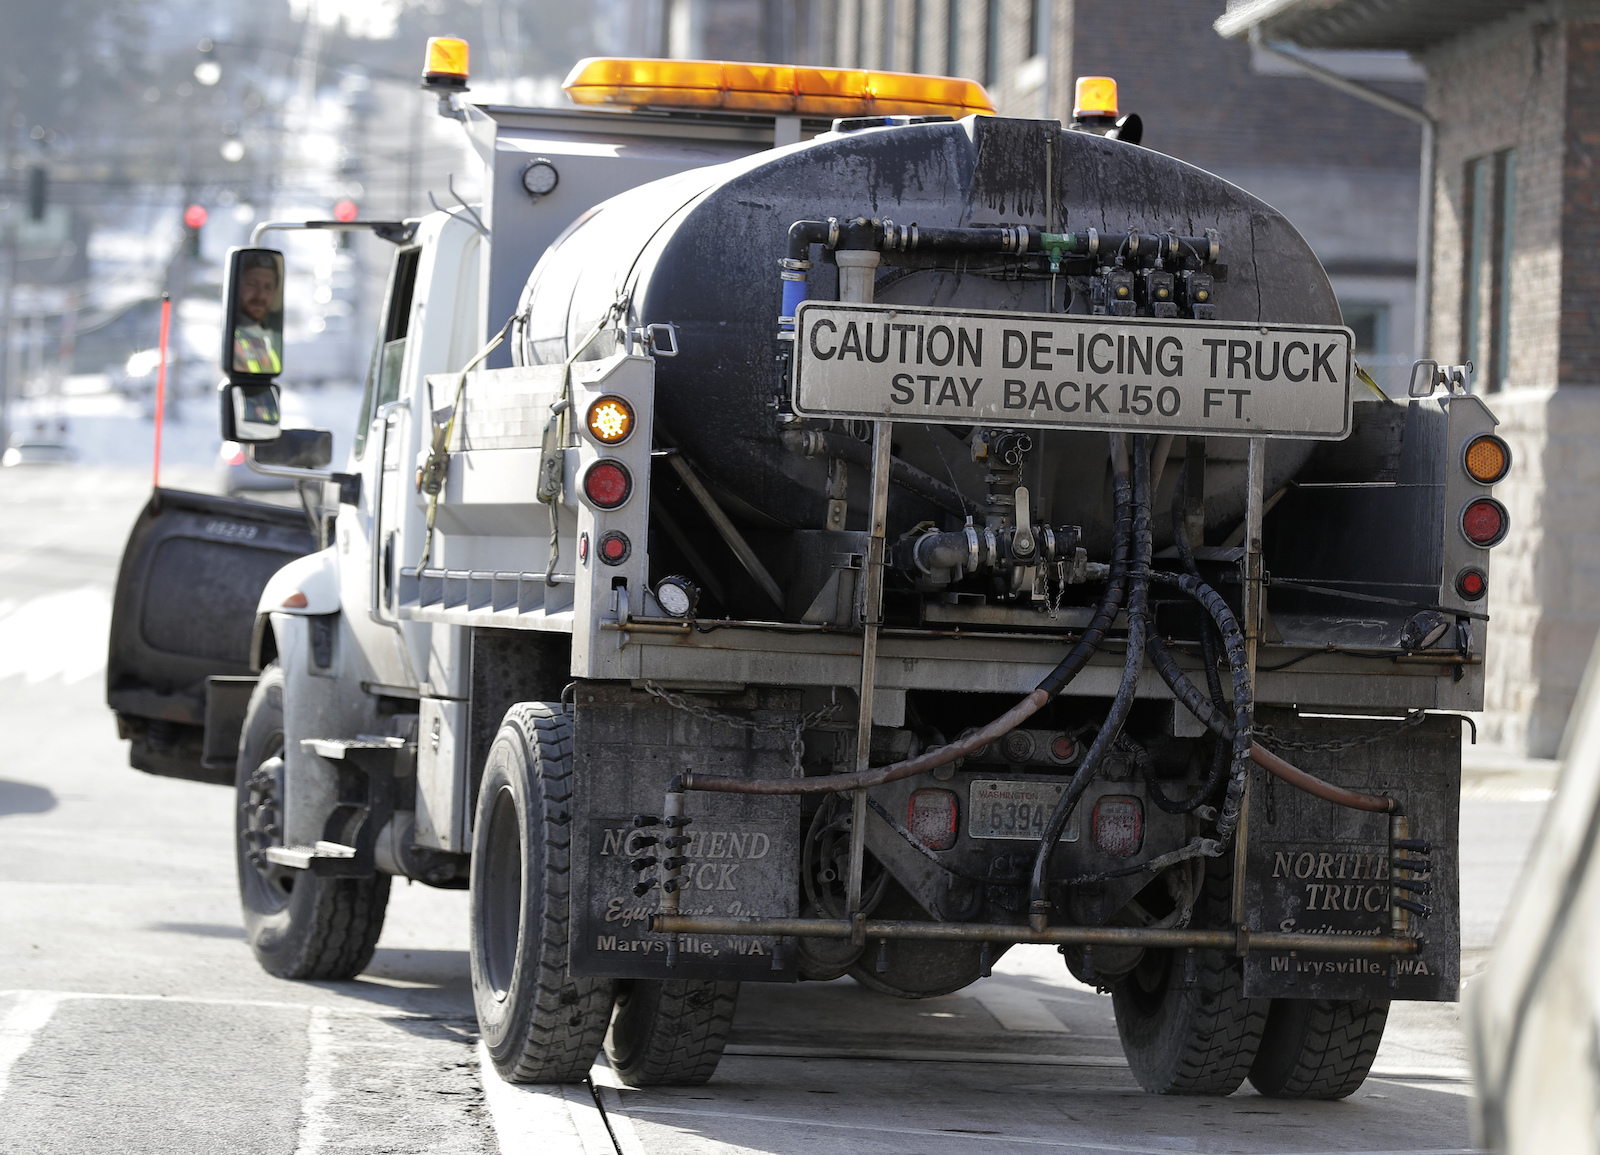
133	1018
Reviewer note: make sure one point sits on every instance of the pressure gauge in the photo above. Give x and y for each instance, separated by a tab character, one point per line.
540	178
677	595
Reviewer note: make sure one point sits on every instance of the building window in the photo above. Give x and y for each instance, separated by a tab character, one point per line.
1038	14
917	33
952	37
1489	215
991	40
1369	321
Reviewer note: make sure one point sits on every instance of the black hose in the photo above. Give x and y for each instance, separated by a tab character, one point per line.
1121	545
1240	729
1180	536
1141	760
1138	588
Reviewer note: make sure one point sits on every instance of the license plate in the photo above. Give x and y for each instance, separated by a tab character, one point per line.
1002	809
1052	370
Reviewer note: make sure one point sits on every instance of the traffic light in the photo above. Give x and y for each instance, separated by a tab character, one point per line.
38	185
194	218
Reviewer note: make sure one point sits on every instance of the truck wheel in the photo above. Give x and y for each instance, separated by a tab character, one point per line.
540	1024
1318	1048
1184	1038
670	1032
301	926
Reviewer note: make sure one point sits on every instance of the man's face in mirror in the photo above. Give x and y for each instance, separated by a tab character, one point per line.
257	287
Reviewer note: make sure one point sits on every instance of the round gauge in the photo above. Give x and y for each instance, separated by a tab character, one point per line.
540	178
677	595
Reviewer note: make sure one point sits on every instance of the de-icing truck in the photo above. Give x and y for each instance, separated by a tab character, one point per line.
801	524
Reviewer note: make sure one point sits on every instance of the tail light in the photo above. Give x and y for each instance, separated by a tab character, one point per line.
1486	459
1063	749
607	484
1119	825
614	547
931	815
1485	522
1472	584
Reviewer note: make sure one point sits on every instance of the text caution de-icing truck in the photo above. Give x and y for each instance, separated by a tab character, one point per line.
802	525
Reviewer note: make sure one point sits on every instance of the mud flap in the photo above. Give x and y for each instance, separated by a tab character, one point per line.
743	853
1321	869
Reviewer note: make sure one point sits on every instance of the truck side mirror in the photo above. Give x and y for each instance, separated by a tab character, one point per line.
297	449
252	342
250	411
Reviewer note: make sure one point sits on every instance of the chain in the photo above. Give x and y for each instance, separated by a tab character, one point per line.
795	729
1273	738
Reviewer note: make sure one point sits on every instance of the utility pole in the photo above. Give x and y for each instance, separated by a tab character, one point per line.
8	226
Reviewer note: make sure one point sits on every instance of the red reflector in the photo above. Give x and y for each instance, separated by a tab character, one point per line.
931	817
607	484
614	547
1471	584
1063	748
1484	522
1119	825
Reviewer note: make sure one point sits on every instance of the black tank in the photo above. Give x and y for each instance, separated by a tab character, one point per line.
701	250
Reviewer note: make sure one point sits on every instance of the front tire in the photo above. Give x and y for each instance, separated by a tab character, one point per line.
300	925
670	1032
1318	1048
538	1022
1185	1038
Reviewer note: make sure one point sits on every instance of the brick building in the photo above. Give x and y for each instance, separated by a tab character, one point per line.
1514	89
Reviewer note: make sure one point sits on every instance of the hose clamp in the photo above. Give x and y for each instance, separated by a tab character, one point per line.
790	264
973	557
833	232
1094	243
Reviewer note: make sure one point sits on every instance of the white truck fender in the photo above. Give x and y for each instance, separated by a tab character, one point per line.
306	587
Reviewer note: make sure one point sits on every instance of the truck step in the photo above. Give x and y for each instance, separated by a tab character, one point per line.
305	857
335	749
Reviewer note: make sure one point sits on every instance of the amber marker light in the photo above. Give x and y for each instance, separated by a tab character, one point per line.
447	63
1095	96
1487	459
610	420
780	89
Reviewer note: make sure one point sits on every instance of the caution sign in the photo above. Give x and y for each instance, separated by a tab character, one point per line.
1055	370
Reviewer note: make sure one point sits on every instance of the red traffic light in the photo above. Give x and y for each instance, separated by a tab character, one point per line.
346	210
195	216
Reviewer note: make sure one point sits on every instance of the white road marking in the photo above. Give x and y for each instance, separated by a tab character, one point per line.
1015	1140
540	1119
269	1004
930	1056
55	634
21	1024
1017	1010
318	1093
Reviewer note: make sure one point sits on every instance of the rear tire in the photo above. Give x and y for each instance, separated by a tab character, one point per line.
671	1032
539	1024
1318	1048
1190	1039
300	925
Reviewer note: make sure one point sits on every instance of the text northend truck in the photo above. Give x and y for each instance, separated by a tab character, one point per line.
775	549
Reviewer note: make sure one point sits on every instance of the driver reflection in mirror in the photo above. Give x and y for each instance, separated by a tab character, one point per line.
258	327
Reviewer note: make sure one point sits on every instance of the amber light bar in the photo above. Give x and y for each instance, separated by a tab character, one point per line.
774	88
